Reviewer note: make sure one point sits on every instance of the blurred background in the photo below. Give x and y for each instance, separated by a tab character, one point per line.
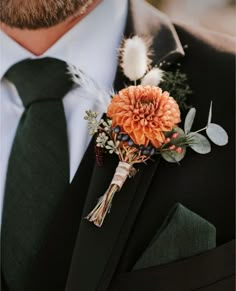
217	15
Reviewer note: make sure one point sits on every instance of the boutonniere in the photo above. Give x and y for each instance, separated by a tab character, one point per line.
142	121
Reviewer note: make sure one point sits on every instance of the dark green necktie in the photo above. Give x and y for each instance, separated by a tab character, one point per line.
38	169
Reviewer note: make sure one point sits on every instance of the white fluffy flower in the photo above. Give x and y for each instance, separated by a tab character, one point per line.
134	58
153	77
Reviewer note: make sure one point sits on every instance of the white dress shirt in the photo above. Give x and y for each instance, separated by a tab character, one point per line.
92	46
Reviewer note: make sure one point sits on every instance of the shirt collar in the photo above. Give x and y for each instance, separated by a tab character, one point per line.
88	45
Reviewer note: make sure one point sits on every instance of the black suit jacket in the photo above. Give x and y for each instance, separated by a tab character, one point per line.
80	257
103	258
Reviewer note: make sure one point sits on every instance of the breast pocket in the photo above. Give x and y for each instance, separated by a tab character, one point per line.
209	271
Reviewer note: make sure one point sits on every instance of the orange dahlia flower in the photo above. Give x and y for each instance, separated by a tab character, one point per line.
144	113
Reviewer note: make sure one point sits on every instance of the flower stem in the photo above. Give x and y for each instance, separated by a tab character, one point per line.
98	214
205	128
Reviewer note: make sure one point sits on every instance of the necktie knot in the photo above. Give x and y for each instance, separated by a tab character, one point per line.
38	80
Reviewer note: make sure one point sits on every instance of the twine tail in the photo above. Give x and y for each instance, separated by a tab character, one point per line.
98	214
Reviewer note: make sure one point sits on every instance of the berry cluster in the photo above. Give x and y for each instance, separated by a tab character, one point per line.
172	143
124	137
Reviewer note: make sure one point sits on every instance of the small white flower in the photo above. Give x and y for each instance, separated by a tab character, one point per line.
101	140
134	57
112	147
91	117
153	77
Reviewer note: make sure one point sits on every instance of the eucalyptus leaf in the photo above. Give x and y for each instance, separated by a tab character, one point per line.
189	120
178	130
210	115
172	156
217	134
199	143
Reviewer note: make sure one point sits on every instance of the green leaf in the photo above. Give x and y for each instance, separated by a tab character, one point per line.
217	134
189	120
176	83
172	156
179	130
199	143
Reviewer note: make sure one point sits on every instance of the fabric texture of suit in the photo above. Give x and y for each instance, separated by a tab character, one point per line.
92	259
205	184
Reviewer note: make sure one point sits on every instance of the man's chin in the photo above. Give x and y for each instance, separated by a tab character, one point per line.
41	14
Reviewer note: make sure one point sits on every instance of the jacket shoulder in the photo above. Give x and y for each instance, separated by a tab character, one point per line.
210	56
198	36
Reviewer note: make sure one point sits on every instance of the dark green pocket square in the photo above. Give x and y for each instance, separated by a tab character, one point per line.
183	234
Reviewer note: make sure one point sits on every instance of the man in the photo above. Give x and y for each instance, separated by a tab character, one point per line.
46	242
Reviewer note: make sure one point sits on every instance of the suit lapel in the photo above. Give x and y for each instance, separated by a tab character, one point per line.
98	250
153	25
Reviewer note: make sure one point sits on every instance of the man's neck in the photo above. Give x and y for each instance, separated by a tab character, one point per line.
40	40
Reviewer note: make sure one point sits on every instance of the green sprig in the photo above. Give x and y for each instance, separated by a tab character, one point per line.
176	83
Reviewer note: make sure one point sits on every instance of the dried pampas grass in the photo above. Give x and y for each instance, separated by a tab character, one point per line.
89	87
135	58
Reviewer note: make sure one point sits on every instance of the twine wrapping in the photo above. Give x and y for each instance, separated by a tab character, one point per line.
121	174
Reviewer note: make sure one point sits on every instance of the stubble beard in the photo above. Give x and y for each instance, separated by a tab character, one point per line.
39	14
